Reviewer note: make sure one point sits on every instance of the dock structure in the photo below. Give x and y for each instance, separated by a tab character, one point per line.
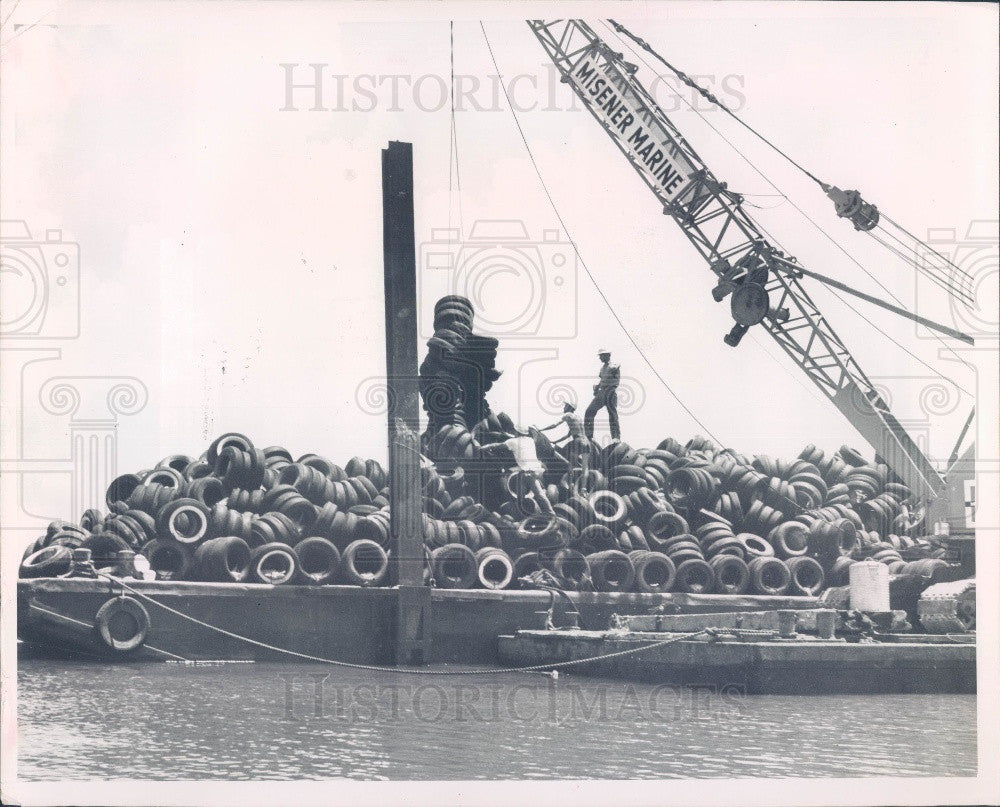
412	619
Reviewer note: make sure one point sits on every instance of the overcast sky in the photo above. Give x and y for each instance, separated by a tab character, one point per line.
230	252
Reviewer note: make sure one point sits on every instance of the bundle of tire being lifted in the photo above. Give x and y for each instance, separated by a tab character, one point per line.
689	518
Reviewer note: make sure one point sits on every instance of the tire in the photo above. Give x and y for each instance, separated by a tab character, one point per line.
525	564
167	477
609	509
611	571
729	545
208	490
571	568
130	530
454	566
319	561
121	488
833	538
839	572
695	576
92	520
375	527
169	559
755	546
655	573
769	576
277	528
184	520
807	576
632	538
122	623
494	568
237	468
691	487
273	563
540	532
223	441
223	560
790	539
664	526
597	536
50	561
176	462
364	563
104	548
732	575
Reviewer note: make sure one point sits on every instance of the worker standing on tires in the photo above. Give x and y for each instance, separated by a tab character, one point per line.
605	396
577	450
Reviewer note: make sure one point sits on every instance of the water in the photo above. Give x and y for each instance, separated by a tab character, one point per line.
285	722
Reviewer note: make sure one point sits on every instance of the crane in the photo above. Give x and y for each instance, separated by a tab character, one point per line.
762	283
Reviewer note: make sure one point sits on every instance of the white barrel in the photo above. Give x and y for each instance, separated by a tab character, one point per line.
869	582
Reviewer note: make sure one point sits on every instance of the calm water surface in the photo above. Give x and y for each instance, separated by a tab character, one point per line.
278	721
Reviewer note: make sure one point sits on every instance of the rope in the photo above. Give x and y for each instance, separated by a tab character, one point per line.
453	137
35	606
10	13
402	670
825	234
938	274
36	22
710	97
583	263
899	226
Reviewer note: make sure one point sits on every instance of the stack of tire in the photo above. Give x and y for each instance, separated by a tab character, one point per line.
238	514
689	518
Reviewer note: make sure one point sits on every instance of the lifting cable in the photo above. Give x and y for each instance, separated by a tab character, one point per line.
830	238
583	263
953	279
542	668
9	14
453	140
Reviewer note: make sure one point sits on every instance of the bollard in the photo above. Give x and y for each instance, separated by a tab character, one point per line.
787	621
826	622
80	564
126	564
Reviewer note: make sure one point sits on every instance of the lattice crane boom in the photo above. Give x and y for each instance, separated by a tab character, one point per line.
762	281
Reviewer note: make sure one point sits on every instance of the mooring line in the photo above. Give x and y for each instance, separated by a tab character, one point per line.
404	670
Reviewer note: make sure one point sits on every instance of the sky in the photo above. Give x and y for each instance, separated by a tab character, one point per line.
230	246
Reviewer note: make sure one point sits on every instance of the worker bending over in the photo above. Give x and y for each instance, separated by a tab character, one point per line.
577	449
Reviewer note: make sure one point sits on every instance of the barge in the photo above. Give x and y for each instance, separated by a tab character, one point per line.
341	623
225	535
756	656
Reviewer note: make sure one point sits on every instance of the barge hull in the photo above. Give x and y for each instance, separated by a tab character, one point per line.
795	667
343	623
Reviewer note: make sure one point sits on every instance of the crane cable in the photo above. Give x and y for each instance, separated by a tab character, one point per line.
958	291
453	140
830	238
583	263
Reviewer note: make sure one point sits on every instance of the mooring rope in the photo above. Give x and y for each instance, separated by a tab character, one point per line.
403	670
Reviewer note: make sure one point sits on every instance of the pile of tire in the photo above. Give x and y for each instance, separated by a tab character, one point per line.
237	514
692	518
